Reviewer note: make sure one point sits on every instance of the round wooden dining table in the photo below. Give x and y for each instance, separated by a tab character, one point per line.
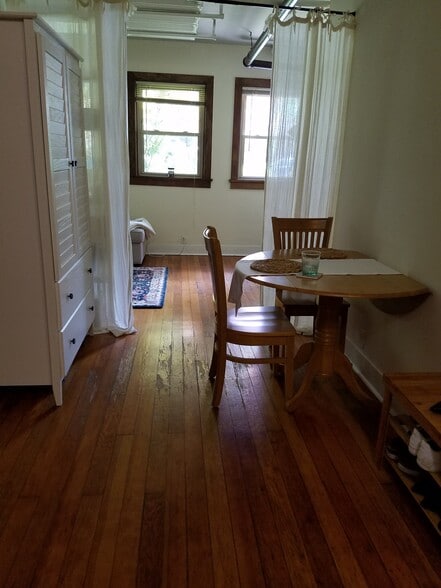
391	292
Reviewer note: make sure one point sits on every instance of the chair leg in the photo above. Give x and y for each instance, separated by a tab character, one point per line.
277	368
213	365
289	369
220	377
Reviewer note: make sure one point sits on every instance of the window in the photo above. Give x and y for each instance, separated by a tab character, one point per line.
170	120
250	133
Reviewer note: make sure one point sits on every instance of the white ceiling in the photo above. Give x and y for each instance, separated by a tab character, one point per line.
212	21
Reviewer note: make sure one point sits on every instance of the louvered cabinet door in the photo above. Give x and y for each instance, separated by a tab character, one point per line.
61	162
78	151
64	111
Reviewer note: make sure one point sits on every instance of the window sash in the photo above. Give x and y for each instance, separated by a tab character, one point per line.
246	133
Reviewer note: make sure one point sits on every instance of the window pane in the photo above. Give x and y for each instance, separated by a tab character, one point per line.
161	92
254	158
162	152
166	117
256	114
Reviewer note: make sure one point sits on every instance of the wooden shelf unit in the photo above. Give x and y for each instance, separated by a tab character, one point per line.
415	393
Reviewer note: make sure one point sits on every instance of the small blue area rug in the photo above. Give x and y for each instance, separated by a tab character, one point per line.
149	286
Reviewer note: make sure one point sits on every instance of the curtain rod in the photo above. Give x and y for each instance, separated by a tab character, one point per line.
281	7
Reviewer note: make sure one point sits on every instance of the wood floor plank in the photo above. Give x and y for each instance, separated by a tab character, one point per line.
74	569
32	544
345	502
151	542
20	515
125	560
87	418
271	551
320	556
175	553
291	539
247	551
106	536
338	542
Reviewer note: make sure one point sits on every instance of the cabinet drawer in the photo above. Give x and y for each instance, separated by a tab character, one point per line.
74	286
76	329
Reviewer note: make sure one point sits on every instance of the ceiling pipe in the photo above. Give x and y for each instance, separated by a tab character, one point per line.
261	64
250	57
265	36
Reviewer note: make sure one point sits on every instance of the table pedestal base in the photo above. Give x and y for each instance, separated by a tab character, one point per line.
323	356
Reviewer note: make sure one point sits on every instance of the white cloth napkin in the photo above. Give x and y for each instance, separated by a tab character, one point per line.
354	267
241	271
364	266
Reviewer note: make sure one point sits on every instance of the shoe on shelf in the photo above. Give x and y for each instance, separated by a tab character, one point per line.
429	456
407	464
415	440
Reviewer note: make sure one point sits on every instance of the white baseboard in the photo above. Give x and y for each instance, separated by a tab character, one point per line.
367	371
199	249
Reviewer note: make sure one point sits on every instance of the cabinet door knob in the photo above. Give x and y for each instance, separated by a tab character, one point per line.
70	296
91	308
71	163
73	341
89	270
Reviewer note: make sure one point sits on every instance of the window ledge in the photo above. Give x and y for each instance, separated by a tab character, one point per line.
171	182
247	184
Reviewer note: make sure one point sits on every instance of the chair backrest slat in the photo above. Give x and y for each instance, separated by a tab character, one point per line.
214	250
301	233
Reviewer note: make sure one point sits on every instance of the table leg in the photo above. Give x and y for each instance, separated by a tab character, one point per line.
325	356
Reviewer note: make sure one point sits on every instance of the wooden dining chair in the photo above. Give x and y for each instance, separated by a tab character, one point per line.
301	233
250	325
305	233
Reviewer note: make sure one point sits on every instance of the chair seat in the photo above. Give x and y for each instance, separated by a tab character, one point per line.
259	320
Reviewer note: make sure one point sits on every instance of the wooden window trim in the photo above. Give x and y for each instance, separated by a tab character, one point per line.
236	183
196	182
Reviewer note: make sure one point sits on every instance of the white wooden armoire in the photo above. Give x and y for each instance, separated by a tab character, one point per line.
46	257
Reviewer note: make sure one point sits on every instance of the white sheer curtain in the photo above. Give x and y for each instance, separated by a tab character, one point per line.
311	69
96	29
309	87
114	253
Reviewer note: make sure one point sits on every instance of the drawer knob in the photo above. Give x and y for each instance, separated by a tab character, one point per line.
89	270
91	308
70	296
73	341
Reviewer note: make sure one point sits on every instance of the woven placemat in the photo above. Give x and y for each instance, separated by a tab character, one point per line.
277	266
325	252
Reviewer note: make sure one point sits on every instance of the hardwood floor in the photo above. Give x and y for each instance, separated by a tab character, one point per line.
137	482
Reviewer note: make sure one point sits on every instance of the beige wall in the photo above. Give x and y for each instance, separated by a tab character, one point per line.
390	197
177	212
